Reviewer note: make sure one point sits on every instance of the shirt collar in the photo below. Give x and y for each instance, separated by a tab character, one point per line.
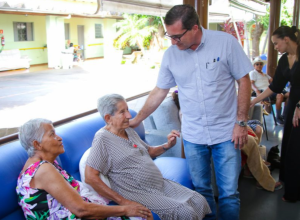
203	38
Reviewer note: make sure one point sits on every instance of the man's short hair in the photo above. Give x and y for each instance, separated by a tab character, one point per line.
186	13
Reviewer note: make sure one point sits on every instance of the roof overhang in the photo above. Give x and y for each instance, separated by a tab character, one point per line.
98	8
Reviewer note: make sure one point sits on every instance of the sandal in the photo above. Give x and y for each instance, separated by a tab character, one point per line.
278	186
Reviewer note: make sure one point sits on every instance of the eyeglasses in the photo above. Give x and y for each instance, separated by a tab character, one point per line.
257	64
175	37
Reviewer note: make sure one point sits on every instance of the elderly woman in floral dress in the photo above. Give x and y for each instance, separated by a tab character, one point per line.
46	191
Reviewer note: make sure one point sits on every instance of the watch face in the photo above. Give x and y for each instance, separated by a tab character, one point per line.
242	123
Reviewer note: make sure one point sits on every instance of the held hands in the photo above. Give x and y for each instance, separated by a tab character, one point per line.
239	136
296	117
172	138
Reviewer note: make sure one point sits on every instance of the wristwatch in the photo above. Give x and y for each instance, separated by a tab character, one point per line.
298	105
241	123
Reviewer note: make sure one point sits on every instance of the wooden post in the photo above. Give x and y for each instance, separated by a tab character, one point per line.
273	25
296	13
201	7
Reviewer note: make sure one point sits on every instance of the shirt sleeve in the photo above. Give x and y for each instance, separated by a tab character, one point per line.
99	157
253	76
165	78
239	63
279	81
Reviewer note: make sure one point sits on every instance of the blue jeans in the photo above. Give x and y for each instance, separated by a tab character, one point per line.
227	163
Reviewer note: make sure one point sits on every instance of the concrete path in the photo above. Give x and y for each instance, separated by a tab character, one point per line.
57	94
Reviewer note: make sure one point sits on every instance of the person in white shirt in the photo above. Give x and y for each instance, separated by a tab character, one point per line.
260	82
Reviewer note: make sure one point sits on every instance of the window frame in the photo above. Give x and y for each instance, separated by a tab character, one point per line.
29	35
97	34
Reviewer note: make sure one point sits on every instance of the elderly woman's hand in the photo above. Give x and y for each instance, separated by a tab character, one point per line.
138	211
172	138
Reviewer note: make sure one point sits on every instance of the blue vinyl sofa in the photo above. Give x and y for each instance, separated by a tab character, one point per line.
77	138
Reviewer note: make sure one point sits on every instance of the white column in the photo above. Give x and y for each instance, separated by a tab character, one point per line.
55	40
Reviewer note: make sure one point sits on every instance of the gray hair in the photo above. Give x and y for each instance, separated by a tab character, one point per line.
31	131
107	105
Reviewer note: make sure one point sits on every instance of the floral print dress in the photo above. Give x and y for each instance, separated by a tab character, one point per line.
39	204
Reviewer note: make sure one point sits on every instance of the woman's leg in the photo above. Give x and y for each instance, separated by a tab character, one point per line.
256	165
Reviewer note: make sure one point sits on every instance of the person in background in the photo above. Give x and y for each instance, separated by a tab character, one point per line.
256	166
286	41
260	81
205	64
46	191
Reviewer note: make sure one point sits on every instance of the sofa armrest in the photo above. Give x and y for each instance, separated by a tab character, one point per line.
175	169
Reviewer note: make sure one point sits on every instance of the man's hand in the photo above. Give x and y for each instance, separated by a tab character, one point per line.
239	136
134	123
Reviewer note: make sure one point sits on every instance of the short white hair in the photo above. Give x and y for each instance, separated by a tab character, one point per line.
107	105
31	131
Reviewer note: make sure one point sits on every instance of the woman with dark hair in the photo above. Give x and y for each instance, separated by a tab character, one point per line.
286	41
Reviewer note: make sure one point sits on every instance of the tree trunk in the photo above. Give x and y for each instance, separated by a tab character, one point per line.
256	33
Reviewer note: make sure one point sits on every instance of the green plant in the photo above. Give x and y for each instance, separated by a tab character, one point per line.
135	30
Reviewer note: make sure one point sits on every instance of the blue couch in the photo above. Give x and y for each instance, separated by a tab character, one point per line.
77	138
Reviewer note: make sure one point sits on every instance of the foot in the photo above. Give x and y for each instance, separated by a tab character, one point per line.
268	164
285	200
278	186
265	112
247	173
280	120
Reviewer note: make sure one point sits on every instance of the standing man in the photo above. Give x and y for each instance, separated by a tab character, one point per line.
204	65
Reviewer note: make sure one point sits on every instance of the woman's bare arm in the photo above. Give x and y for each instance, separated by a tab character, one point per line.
49	179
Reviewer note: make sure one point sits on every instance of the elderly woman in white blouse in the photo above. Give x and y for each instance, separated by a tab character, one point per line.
119	153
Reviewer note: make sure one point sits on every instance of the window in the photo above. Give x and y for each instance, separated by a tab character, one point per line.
23	31
98	31
67	31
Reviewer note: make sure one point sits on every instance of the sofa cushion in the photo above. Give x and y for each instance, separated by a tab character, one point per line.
82	166
166	116
13	158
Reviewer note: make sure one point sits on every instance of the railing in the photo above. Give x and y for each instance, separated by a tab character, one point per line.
13	137
33	48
